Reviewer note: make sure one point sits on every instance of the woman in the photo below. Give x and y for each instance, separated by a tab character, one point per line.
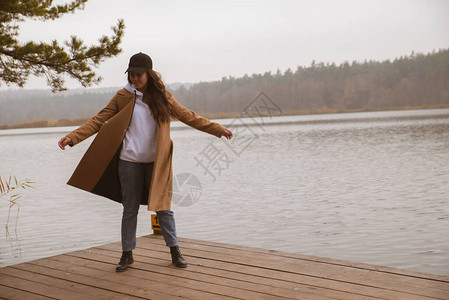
130	159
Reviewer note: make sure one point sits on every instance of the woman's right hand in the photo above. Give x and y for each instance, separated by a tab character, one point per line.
64	141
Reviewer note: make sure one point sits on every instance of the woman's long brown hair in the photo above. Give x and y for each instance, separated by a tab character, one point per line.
155	97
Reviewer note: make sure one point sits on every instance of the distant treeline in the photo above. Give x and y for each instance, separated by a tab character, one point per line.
31	105
414	81
417	80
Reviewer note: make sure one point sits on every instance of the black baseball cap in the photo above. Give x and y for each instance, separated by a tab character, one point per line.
139	63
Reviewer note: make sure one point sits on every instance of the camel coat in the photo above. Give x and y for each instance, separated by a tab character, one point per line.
97	171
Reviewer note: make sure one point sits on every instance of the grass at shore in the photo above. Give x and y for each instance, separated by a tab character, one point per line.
222	115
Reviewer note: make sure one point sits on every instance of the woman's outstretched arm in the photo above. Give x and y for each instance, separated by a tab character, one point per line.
90	127
196	121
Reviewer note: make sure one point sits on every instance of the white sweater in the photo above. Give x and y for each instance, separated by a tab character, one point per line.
139	144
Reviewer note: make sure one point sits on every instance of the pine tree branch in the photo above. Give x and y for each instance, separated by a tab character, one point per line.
53	61
36	9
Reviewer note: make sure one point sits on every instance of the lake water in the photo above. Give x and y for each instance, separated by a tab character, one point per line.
369	187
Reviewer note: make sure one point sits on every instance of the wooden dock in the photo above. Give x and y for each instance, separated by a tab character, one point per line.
215	271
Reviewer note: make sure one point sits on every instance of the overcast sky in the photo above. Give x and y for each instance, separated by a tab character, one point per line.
205	40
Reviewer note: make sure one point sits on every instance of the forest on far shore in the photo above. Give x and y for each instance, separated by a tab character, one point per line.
413	81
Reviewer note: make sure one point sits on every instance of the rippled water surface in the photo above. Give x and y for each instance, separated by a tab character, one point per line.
368	187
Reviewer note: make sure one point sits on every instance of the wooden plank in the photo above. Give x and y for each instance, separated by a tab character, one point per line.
42	275
16	294
127	282
123	291
194	283
253	275
278	255
38	288
204	279
411	285
340	274
298	279
216	271
410	273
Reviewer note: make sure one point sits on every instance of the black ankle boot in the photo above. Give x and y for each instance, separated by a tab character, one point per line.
125	261
177	258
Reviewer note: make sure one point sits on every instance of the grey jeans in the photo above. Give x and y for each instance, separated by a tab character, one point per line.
135	179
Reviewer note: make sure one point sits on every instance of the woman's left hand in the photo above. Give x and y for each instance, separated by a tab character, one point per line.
227	134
